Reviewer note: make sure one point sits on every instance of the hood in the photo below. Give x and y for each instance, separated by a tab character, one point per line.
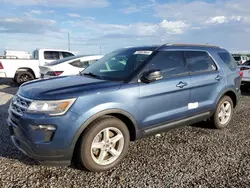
65	87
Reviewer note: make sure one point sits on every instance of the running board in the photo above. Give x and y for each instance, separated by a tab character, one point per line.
165	127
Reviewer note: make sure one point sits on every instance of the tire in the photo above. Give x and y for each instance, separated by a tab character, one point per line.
94	135
24	76
226	115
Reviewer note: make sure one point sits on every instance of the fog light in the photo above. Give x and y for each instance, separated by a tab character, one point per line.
47	127
44	127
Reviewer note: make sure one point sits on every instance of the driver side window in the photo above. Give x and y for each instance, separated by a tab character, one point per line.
170	63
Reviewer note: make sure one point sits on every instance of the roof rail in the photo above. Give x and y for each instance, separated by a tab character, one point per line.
186	44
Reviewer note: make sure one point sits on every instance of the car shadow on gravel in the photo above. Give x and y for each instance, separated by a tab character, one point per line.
8	150
203	125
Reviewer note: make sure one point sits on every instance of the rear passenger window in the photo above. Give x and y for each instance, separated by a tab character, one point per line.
82	64
170	63
66	54
199	61
50	55
228	60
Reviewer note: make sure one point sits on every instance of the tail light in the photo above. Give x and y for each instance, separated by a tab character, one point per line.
1	65
54	73
240	61
241	74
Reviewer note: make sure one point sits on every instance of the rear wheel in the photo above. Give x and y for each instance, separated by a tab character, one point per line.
223	113
104	144
24	76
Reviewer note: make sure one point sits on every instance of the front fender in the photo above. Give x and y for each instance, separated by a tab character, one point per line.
92	114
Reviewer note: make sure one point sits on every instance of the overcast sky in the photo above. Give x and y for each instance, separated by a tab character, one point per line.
29	24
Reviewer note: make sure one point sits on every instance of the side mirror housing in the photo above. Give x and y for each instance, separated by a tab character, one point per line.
151	76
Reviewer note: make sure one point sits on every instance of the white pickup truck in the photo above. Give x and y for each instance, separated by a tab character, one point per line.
23	70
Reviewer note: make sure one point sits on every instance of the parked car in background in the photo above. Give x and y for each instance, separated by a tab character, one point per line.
23	70
239	59
68	66
245	82
126	95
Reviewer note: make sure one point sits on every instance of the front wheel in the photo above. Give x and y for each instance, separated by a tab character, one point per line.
223	113
104	144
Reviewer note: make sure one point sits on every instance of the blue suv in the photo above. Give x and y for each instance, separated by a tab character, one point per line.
128	94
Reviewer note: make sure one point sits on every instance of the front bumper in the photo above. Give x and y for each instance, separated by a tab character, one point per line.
45	146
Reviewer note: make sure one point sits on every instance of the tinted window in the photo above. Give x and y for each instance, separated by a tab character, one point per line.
169	62
228	60
77	63
237	58
67	54
82	64
50	55
199	61
59	61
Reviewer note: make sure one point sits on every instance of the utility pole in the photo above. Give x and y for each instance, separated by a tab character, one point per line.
100	49
69	41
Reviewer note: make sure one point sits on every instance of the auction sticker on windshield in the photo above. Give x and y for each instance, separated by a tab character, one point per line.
143	52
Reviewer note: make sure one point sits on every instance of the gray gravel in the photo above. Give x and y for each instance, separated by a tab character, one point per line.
192	156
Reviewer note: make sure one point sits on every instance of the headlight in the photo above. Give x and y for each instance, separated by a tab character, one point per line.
53	108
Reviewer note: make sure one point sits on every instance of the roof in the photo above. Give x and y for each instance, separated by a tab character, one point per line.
151	48
51	49
175	46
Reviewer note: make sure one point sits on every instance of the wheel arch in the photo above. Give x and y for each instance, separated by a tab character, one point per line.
232	94
124	116
21	69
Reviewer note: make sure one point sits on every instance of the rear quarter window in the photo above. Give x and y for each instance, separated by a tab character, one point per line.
228	60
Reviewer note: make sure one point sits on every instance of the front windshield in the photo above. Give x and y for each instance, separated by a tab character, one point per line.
118	65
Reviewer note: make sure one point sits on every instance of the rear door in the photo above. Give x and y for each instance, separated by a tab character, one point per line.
165	100
207	80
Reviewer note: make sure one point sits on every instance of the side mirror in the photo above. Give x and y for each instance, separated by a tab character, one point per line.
151	76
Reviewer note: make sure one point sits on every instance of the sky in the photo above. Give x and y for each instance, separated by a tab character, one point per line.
100	26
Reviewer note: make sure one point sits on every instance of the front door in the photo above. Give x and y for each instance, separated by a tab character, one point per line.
167	99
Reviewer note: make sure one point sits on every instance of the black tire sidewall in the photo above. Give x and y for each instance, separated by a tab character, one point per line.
87	139
19	74
217	123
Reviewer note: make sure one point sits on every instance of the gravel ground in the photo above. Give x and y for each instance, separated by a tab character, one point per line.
192	156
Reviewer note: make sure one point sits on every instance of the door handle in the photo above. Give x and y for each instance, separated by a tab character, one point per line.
181	84
218	78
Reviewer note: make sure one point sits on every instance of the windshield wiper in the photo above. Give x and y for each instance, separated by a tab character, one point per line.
92	75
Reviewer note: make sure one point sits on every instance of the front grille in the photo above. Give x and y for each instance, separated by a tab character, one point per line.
19	105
